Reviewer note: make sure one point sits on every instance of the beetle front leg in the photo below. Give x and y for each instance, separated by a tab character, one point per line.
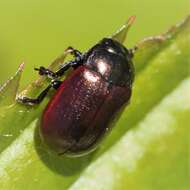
33	101
76	53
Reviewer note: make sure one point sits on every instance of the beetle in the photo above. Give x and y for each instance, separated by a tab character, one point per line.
79	114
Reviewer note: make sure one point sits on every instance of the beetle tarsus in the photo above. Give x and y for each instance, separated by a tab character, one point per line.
77	54
43	71
53	75
33	101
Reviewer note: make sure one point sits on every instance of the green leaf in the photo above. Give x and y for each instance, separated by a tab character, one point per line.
148	147
20	114
121	34
9	89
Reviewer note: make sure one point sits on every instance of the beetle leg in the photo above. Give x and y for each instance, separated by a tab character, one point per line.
56	84
60	72
32	101
53	75
77	54
43	71
66	66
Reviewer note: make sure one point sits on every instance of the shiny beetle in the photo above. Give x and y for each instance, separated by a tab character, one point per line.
79	114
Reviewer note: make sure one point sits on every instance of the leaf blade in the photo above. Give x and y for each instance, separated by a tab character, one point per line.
160	76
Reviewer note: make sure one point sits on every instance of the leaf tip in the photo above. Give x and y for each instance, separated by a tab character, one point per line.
121	34
9	89
21	66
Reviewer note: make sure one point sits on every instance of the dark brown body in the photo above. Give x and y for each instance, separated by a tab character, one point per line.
79	114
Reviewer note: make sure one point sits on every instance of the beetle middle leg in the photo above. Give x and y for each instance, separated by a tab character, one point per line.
32	101
64	67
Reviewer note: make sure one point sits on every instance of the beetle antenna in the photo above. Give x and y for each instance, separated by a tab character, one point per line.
121	34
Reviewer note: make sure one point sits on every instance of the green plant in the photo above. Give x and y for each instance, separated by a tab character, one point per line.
147	149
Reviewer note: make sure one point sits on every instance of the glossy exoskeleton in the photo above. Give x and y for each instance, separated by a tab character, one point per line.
80	112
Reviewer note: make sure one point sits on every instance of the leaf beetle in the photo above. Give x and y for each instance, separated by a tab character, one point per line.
79	114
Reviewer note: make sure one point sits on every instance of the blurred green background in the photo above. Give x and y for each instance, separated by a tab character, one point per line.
36	31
